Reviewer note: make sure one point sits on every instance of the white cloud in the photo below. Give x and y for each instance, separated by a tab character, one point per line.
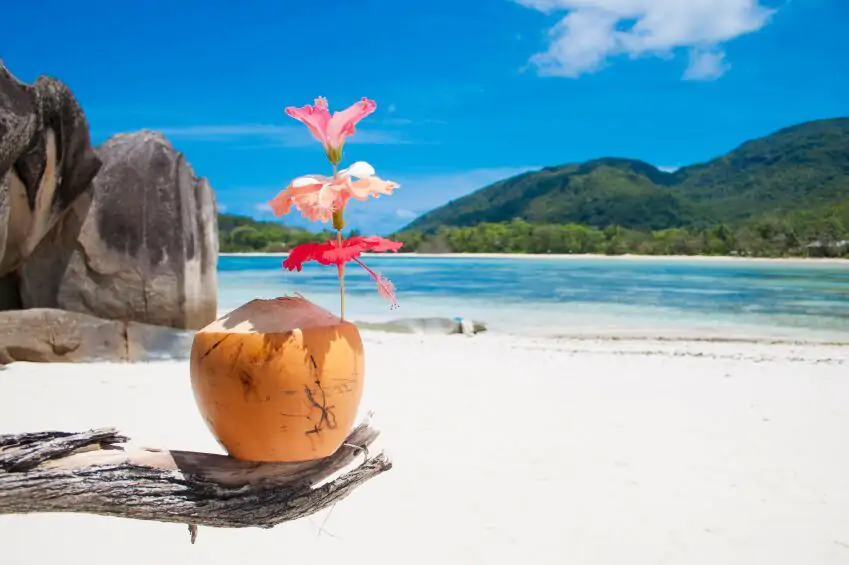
395	121
594	31
706	64
288	136
405	214
668	168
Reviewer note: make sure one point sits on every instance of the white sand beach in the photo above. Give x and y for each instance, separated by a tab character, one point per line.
506	450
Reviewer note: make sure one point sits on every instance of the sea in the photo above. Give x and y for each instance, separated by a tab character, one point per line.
568	296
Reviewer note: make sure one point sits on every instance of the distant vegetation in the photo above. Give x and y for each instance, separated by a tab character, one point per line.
786	194
240	234
768	237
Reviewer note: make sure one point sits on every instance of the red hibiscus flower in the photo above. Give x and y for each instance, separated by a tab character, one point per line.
338	253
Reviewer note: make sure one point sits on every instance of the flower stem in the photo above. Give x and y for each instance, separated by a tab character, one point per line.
339	225
341	269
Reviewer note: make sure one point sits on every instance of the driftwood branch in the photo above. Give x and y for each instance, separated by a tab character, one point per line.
95	473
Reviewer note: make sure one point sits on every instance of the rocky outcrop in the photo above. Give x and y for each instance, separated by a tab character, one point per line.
142	246
125	232
445	326
46	163
44	335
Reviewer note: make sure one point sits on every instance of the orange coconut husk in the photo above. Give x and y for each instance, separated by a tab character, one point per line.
278	380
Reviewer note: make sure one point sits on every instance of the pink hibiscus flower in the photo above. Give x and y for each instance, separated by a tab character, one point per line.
332	131
317	197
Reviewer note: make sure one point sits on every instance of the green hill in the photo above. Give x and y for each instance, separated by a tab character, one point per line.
239	234
801	167
783	194
797	169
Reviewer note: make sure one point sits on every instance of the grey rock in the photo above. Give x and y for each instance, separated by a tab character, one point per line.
46	162
18	118
5	358
42	277
45	335
50	335
10	296
124	233
467	327
156	343
143	246
444	326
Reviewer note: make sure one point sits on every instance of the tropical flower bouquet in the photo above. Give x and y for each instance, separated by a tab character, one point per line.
281	379
322	198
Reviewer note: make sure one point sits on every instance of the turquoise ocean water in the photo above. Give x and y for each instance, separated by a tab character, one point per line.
557	296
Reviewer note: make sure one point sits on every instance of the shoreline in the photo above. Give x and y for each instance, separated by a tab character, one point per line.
586	256
417	326
627	338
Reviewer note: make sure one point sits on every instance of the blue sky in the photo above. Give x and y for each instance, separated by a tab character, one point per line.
468	91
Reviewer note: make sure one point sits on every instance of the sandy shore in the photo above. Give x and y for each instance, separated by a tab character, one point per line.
577	256
507	451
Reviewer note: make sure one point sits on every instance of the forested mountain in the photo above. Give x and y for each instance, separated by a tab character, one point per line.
804	168
783	194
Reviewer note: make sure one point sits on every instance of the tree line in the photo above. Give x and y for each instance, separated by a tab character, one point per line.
241	234
769	237
804	235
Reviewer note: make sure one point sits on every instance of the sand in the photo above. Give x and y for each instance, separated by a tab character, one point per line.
507	450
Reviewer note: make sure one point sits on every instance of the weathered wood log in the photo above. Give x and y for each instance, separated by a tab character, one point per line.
95	473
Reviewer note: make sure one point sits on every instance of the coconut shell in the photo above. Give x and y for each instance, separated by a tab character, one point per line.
278	380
